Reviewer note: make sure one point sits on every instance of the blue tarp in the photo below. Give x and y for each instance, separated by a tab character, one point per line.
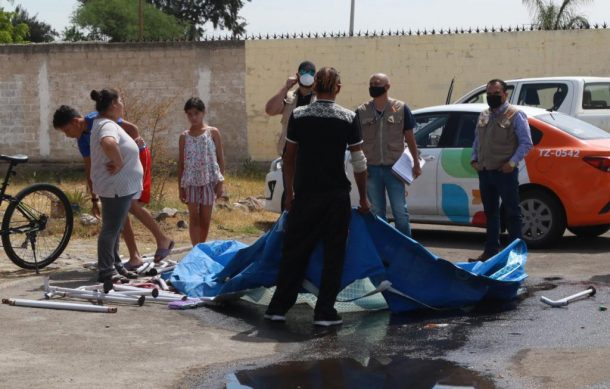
375	250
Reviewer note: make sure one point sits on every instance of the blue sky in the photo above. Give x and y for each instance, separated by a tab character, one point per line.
288	16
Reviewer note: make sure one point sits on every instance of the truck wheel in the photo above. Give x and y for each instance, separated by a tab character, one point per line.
544	220
590	231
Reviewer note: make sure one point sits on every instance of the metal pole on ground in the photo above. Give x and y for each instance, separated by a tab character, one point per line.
59	305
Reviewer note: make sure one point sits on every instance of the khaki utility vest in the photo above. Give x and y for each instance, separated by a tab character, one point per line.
497	139
290	103
383	136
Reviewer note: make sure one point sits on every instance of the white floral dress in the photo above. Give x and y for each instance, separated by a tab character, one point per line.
201	170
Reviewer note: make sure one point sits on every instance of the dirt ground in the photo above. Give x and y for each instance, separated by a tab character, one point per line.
148	346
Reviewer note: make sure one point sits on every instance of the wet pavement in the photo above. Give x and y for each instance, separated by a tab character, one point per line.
479	348
349	373
522	344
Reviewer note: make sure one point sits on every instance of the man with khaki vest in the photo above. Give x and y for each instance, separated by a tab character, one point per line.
501	141
286	100
386	124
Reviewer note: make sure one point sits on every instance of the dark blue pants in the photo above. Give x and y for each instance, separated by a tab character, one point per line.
495	185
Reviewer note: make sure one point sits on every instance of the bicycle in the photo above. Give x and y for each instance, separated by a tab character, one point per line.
37	223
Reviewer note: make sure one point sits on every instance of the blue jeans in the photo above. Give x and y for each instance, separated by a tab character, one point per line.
495	185
381	179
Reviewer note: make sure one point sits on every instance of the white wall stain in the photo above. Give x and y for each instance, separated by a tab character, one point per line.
203	88
44	100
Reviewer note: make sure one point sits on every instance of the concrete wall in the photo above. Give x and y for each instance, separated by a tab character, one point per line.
420	67
36	79
236	78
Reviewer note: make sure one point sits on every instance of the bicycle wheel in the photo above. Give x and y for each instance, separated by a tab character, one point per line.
40	218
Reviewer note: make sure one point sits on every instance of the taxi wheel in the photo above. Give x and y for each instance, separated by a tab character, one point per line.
590	231
544	220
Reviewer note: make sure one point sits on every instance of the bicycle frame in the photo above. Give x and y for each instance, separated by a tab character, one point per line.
33	219
7	178
23	208
33	225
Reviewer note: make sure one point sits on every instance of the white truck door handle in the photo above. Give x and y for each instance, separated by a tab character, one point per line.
428	157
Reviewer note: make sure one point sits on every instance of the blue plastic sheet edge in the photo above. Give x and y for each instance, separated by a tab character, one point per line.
375	250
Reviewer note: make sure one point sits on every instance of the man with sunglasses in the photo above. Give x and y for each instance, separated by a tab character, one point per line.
502	139
286	100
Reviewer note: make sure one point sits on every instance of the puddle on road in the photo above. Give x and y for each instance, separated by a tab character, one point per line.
555	278
349	373
602	279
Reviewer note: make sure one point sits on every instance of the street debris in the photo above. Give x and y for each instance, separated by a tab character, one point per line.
148	268
59	305
88	220
566	300
165	213
250	204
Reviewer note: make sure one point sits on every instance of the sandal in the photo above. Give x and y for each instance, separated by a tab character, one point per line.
161	254
129	267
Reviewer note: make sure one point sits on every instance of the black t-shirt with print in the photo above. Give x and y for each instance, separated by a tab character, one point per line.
322	130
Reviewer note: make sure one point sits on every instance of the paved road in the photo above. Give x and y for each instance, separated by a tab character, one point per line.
521	345
524	344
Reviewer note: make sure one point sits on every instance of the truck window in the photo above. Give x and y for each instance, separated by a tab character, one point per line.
548	96
573	126
481	97
596	96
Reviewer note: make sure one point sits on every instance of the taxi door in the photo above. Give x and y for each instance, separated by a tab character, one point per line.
422	193
458	197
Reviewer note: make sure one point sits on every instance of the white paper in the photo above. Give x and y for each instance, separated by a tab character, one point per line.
403	168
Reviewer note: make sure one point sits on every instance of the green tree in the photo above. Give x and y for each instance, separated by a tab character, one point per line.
223	14
39	31
10	33
551	16
117	21
73	33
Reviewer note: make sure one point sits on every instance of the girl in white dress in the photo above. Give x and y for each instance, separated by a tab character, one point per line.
200	169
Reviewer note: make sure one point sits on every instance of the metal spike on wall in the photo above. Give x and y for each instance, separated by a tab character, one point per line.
342	34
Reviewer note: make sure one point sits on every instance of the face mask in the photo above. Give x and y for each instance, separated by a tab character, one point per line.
494	101
376	91
306	79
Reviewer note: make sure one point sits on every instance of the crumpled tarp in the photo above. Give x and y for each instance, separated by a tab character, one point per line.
409	276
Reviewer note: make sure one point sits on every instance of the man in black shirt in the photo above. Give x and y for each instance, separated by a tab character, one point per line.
319	204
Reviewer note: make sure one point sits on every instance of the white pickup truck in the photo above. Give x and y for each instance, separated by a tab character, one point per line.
586	98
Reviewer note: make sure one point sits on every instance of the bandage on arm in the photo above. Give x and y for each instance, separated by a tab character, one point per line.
358	161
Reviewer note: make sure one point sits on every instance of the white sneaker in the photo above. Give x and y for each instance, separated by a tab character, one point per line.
277	318
327	322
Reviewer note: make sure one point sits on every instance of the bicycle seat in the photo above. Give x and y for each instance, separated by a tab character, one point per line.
15	159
